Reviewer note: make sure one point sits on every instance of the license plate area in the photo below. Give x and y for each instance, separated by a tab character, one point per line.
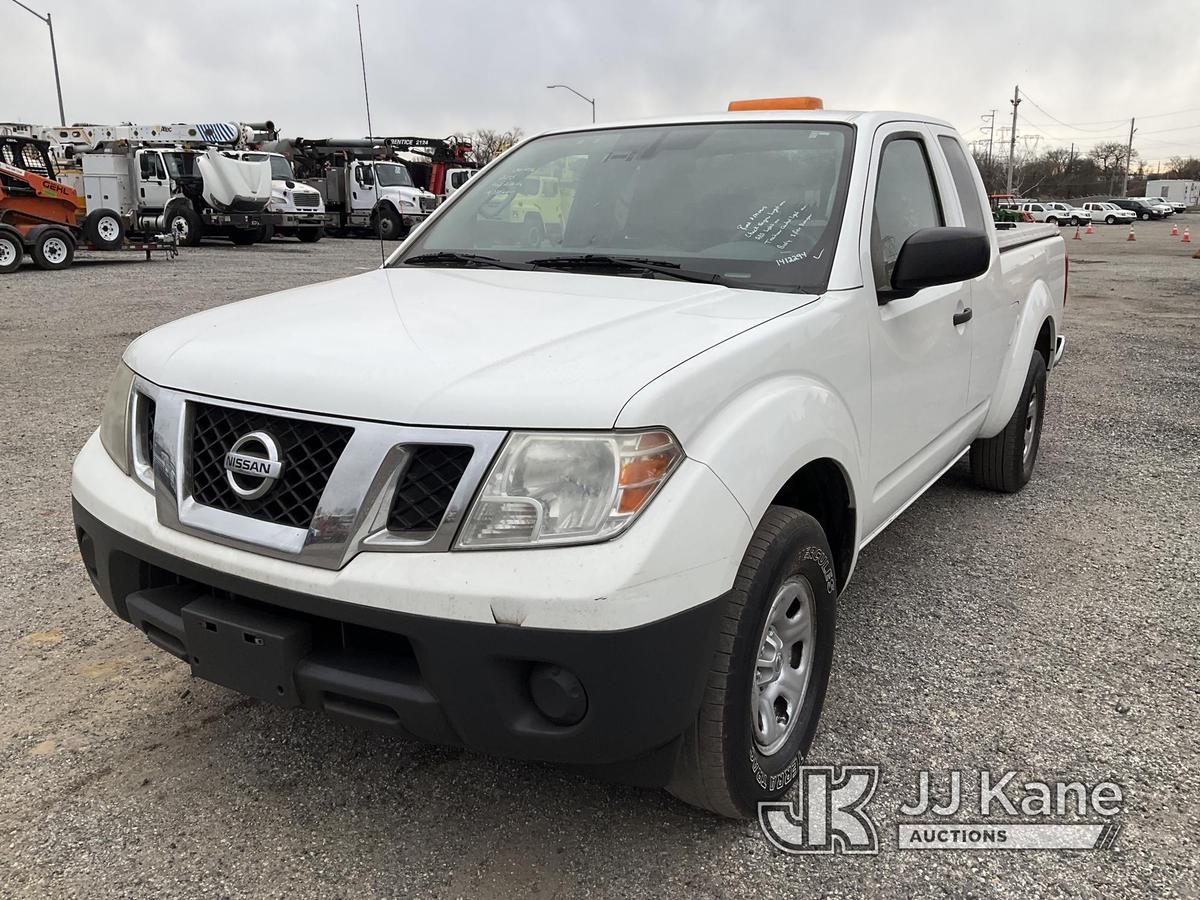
246	648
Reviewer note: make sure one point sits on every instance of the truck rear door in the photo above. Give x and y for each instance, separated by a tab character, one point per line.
920	359
994	312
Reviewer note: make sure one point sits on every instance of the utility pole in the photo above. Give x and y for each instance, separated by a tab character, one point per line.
62	116
991	135
1128	160
1012	137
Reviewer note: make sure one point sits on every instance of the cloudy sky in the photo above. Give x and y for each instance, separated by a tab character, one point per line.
1086	66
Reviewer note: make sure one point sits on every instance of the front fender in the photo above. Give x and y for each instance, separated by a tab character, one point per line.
1038	306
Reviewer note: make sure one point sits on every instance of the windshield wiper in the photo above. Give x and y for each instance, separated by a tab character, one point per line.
461	259
590	261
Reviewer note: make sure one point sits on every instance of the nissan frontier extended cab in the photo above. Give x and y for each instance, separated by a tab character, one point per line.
586	497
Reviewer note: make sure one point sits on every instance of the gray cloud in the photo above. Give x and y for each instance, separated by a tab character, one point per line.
435	69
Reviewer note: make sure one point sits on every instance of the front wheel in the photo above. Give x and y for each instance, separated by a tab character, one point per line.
309	235
388	224
766	683
183	222
1005	462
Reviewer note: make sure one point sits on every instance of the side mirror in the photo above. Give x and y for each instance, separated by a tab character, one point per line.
933	256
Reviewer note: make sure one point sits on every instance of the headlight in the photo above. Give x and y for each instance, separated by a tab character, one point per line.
114	419
548	489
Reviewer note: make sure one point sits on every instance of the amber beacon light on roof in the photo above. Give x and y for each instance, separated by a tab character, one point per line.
777	103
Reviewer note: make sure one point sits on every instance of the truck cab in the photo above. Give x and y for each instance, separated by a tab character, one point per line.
295	209
386	191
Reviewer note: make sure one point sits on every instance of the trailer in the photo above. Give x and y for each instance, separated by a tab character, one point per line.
39	215
172	178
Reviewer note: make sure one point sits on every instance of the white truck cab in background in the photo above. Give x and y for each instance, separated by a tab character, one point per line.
296	209
590	499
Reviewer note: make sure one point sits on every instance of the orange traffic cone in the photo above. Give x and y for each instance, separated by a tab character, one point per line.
1132	236
1088	230
1187	238
1077	237
1174	230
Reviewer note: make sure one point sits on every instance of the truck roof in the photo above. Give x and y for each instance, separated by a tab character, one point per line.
865	119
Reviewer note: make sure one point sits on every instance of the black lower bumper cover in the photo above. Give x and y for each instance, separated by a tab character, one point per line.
449	682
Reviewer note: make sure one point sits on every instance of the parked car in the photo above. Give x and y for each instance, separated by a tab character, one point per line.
1139	207
590	502
1161	205
1109	213
1174	204
1054	213
1070	213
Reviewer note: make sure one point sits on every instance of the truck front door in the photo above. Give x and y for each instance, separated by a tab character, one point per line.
154	187
920	357
364	192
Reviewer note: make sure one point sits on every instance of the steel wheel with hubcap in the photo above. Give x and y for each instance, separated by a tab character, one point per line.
11	253
766	684
53	249
783	667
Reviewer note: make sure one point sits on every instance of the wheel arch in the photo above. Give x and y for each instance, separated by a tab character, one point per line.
1035	332
822	489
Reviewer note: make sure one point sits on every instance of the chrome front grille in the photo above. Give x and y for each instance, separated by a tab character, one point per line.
428	204
306	199
310	451
344	486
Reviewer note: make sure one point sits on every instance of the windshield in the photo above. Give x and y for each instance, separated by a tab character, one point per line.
281	169
754	205
180	163
392	175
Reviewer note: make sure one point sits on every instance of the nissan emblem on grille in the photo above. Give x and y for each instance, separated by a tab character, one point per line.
253	465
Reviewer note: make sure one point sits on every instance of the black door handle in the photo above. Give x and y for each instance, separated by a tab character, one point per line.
961	318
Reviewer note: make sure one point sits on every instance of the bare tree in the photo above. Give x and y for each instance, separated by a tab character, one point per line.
487	143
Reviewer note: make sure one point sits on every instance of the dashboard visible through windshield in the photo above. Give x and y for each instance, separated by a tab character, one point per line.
744	204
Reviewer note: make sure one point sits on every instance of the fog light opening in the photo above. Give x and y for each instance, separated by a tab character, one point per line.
558	694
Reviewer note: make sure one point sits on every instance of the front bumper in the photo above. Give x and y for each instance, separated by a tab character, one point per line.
449	682
295	219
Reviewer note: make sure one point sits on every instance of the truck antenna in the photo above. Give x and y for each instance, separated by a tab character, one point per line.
367	99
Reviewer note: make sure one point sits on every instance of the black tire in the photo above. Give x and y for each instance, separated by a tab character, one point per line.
1000	463
244	237
11	251
183	222
1051	220
103	229
388	224
721	766
53	249
534	232
309	235
1110	220
1075	221
1142	215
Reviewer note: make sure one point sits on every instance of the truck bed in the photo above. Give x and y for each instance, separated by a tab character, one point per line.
1017	234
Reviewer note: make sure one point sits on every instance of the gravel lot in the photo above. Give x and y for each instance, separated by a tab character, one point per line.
1053	633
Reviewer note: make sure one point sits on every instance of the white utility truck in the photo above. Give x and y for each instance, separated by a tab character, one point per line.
591	501
363	185
296	210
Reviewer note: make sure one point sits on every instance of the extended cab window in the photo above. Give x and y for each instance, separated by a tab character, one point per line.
744	204
906	200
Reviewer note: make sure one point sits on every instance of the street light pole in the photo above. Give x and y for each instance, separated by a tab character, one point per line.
591	100
62	116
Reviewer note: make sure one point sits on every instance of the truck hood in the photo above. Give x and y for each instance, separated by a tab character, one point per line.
453	347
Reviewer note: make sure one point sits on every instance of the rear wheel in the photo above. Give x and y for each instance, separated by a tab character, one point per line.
104	229
1075	220
53	249
766	683
11	252
1110	220
1005	462
1050	220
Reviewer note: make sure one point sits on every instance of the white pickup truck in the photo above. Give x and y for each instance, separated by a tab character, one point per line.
591	501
